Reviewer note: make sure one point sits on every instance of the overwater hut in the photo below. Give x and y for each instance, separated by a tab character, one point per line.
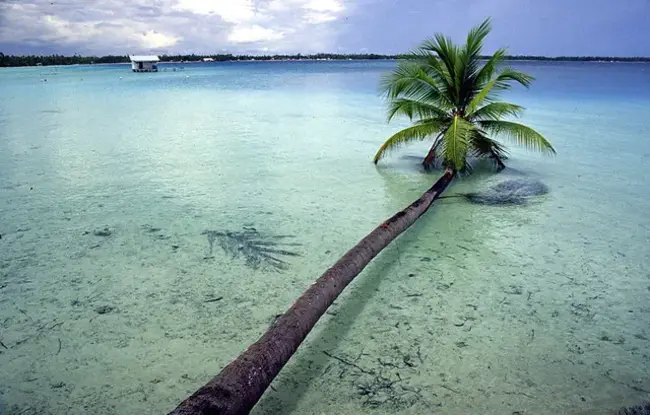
144	63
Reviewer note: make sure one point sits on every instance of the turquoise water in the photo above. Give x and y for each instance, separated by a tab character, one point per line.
112	302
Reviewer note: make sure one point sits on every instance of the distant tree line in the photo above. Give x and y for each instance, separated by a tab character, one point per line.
231	57
32	60
577	58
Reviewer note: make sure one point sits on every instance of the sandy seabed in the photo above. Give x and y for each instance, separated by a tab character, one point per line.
132	315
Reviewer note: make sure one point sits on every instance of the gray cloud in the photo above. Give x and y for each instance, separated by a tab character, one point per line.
549	27
170	26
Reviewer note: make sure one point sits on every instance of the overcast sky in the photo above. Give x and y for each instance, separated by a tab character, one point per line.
531	27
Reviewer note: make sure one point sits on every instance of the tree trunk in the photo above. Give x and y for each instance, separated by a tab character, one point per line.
498	161
241	384
430	159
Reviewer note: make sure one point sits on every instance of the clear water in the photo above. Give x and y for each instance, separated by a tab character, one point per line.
540	309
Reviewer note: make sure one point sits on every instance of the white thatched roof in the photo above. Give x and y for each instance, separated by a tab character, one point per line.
144	58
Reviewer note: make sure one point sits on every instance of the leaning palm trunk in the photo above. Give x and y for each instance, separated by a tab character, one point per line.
241	384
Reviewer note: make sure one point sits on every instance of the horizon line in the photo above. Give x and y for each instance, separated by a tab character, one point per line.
300	54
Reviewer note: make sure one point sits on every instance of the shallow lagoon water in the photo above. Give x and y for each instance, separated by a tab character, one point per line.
109	181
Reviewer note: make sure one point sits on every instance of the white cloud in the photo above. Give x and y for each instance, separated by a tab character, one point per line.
254	33
333	6
317	18
133	34
63	29
173	26
233	11
155	40
322	11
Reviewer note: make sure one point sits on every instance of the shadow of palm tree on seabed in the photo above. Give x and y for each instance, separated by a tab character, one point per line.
258	250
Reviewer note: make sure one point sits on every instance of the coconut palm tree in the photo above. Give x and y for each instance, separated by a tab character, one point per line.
452	98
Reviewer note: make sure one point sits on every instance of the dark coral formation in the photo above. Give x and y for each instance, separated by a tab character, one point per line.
643	409
508	192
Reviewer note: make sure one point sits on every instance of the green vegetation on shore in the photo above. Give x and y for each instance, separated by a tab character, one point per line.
33	60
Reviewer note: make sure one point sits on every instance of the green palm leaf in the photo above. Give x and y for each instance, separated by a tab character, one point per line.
443	47
411	108
482	146
411	80
468	63
446	52
509	75
406	79
499	83
417	132
520	134
454	142
475	38
489	67
433	66
496	111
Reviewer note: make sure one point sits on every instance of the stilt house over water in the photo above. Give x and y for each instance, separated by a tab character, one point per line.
144	63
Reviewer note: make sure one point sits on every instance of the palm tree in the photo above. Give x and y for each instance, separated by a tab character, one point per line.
452	98
445	92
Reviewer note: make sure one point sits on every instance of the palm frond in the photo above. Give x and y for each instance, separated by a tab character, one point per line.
455	141
445	80
483	146
508	75
495	111
475	37
416	132
412	108
443	121
445	50
464	78
411	80
498	83
468	63
433	66
406	79
490	67
518	133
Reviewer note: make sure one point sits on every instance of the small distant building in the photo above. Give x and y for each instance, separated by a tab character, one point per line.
208	60
144	63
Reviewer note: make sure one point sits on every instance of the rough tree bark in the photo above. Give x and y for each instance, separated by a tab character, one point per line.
499	162
430	158
241	384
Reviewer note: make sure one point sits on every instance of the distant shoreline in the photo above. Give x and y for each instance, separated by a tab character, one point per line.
18	61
